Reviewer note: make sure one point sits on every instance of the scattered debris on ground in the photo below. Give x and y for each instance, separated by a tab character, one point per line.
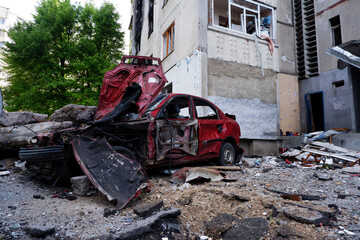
266	199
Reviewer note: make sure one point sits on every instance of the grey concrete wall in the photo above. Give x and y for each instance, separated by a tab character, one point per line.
235	80
338	102
286	38
349	141
349	12
241	90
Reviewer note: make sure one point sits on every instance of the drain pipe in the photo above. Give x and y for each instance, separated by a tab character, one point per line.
259	52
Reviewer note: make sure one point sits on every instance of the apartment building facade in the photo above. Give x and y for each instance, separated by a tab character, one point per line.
329	88
240	54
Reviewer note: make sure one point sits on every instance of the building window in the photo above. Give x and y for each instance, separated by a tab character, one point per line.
138	22
2	21
335	30
244	16
169	40
151	17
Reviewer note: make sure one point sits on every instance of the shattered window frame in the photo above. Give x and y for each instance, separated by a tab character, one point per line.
169	40
240	13
203	111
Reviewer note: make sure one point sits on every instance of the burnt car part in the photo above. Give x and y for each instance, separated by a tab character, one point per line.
115	175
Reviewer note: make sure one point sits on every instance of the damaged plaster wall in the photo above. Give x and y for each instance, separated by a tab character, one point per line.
185	75
241	90
338	100
258	120
234	80
289	103
232	46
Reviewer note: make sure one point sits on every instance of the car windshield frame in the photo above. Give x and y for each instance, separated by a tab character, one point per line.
155	103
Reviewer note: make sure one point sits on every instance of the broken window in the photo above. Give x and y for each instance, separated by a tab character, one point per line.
151	17
245	16
205	110
335	30
169	40
138	18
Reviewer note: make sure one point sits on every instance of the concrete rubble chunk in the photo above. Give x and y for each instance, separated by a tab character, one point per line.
75	113
323	176
352	170
220	224
248	228
287	231
38	231
146	210
21	135
305	215
248	162
80	185
143	226
8	119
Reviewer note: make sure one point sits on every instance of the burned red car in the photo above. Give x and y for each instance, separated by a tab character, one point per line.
135	127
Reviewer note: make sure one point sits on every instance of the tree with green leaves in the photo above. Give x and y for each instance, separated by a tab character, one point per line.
61	57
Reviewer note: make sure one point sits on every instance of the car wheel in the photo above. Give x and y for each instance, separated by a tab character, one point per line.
227	154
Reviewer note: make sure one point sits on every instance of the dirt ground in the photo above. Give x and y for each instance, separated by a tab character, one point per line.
254	193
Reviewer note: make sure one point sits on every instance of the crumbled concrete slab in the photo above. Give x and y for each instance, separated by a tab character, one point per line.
8	119
75	113
352	170
220	224
141	227
21	135
40	231
146	210
248	228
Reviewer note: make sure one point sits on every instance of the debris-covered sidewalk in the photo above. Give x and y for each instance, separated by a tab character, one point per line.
281	200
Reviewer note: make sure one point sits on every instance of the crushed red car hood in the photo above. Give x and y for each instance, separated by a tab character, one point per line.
143	71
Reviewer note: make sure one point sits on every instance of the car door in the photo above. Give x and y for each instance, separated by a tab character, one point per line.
176	134
211	126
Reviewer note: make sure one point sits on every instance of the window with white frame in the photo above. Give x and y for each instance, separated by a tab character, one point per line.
246	16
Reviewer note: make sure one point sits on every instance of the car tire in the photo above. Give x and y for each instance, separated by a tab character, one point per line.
227	154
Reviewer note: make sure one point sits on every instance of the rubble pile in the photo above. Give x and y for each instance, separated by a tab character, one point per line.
265	199
316	153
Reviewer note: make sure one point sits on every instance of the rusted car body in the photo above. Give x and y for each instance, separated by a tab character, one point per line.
135	127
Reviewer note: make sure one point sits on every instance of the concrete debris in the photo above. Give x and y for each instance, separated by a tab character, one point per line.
75	113
352	170
40	231
16	136
108	212
8	119
146	210
220	224
287	231
144	226
248	228
20	164
317	154
4	173
80	185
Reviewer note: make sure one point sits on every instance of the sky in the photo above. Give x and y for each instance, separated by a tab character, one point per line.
25	9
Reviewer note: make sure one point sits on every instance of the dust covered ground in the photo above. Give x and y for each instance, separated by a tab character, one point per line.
254	194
